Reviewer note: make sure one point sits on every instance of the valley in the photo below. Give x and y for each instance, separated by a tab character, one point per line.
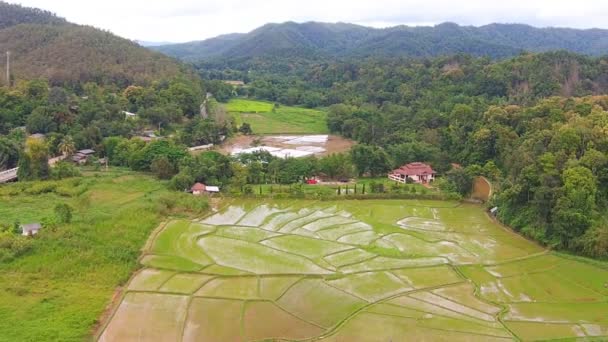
302	181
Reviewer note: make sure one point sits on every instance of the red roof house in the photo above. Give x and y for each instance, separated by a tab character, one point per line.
417	172
198	189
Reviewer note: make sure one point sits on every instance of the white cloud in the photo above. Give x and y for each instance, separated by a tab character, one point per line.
185	20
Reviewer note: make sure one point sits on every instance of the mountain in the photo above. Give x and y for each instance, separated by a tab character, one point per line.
314	39
145	43
43	45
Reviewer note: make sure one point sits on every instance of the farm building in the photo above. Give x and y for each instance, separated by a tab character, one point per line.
30	229
200	189
418	173
235	83
129	115
82	156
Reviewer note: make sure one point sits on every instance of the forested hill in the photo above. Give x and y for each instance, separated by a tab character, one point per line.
322	40
43	45
11	15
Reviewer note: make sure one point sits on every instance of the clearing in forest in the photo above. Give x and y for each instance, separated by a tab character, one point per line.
266	118
389	270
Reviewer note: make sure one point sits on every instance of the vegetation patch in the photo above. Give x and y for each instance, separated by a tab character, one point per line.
268	118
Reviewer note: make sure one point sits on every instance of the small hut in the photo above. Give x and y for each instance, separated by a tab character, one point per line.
30	229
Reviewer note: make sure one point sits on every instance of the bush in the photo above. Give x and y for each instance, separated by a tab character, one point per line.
64	170
41	188
181	181
13	246
63	212
180	202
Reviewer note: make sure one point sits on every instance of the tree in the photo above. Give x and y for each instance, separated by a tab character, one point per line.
182	181
336	166
34	161
162	167
41	121
63	212
461	179
245	129
9	153
370	159
67	147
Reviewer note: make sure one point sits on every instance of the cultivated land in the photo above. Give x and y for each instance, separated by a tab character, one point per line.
380	270
58	290
265	119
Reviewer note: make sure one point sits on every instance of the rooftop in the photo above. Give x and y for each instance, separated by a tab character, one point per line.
414	169
198	187
30	227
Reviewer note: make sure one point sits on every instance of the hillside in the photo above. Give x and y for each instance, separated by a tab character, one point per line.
45	46
313	39
11	15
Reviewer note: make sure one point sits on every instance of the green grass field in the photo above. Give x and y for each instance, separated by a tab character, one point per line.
265	119
372	270
58	289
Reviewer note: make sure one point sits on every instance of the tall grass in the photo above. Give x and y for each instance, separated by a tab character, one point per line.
59	288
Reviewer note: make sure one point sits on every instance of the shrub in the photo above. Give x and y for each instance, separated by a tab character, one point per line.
64	170
181	182
63	212
41	188
177	202
13	246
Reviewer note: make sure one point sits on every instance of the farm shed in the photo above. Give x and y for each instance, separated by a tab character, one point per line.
30	229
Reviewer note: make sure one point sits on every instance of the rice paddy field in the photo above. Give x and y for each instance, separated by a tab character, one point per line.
385	270
264	118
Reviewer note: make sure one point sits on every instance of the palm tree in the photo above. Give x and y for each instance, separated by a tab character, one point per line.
66	147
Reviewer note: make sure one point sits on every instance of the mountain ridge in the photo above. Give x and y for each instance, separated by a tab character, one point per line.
319	39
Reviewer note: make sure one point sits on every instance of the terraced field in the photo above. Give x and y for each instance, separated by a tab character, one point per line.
355	271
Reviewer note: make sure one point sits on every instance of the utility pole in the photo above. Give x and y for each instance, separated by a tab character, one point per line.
8	69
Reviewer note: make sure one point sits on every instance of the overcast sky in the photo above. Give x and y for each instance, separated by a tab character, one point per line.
187	20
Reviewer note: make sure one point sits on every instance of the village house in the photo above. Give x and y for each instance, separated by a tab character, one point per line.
81	157
30	229
418	173
199	189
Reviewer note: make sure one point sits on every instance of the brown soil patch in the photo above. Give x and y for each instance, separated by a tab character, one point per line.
334	144
482	190
338	144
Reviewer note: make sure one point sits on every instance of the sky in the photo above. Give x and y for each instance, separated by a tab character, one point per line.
189	20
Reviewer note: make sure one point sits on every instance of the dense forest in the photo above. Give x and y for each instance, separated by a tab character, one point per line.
11	15
323	41
79	119
45	46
